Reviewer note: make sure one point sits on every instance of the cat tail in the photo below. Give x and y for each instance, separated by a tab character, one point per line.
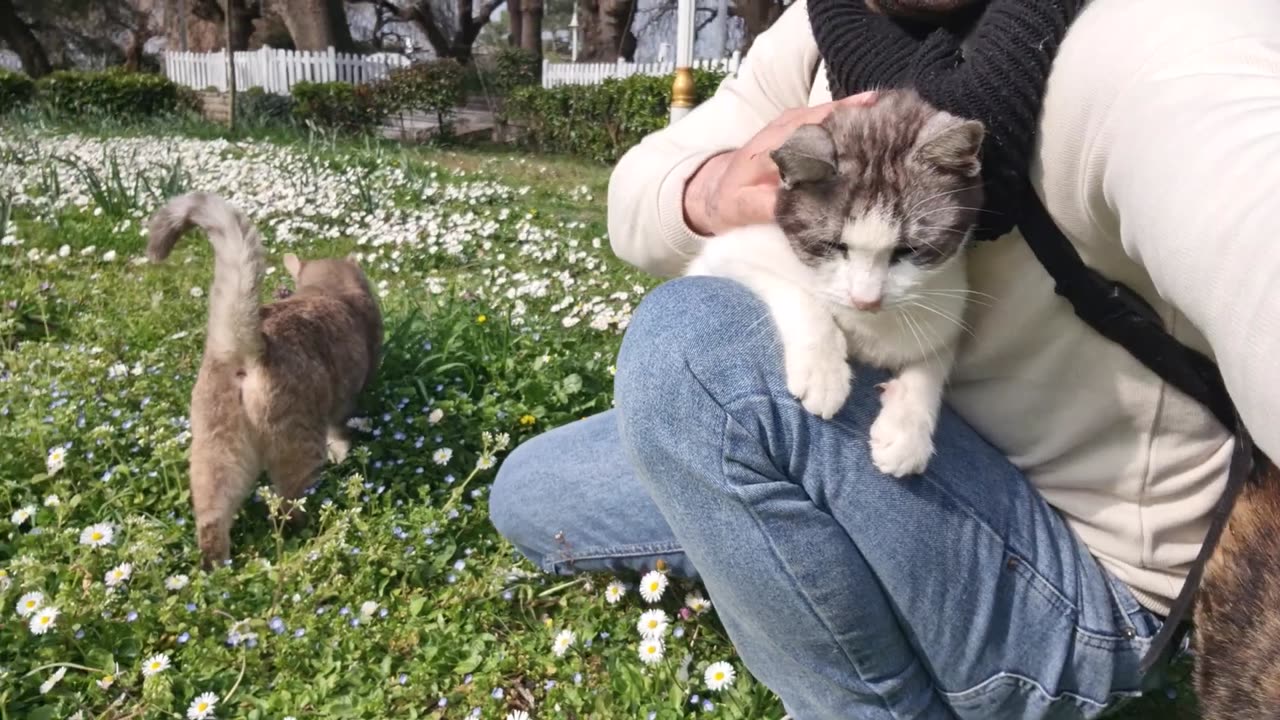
235	325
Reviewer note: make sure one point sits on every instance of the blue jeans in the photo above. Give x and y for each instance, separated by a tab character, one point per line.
956	594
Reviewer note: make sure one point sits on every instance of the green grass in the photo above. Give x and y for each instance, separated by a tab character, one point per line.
502	305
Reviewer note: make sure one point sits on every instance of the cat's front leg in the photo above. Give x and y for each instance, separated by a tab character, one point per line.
815	353
902	434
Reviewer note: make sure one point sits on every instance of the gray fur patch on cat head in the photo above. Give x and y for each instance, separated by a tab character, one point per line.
900	158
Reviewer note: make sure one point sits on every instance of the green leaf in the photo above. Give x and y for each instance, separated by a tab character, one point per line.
571	384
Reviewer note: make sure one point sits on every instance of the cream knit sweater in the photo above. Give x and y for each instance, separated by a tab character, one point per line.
1159	157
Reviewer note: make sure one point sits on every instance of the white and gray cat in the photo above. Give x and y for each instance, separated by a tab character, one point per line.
865	261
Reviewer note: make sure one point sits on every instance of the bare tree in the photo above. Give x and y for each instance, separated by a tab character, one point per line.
18	36
451	26
316	24
606	27
757	16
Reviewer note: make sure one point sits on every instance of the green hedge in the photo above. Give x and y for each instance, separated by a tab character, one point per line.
339	106
16	90
115	93
515	68
436	87
258	108
598	121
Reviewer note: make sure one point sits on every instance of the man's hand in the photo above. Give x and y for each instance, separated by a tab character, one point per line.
739	188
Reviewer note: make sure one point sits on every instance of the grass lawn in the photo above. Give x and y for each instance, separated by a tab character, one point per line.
504	309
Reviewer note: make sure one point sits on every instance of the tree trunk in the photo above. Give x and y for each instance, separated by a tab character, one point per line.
515	18
18	36
757	15
317	24
531	28
606	30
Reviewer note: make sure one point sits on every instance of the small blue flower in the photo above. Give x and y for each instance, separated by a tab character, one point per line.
355	622
183	638
276	625
678	632
460	565
577	678
443	702
548	684
694	699
451	579
345	611
466	679
403	679
507	595
133	615
497	693
191	607
299	633
708	706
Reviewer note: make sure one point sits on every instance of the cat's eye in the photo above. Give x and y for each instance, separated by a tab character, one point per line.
902	252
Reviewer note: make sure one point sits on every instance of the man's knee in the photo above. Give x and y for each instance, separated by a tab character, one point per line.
516	497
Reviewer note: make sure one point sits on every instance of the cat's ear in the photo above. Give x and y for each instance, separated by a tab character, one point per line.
952	144
293	265
809	155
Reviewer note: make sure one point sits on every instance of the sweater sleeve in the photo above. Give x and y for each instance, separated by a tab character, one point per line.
1191	177
647	226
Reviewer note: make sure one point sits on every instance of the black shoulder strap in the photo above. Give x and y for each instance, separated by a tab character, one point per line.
1123	317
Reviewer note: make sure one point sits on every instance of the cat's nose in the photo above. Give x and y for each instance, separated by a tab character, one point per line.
867	305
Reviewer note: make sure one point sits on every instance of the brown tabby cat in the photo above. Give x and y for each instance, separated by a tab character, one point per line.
277	381
1237	616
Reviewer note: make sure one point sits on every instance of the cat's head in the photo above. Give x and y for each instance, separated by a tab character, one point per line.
328	275
876	199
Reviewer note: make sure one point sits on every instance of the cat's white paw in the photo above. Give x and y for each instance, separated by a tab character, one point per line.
820	377
901	436
336	448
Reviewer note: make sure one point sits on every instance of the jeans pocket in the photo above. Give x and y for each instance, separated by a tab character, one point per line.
1008	695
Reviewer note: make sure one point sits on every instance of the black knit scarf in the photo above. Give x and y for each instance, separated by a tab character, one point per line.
998	78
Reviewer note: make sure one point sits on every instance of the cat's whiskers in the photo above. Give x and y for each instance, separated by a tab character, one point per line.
954	295
943	229
944	315
922	201
913	218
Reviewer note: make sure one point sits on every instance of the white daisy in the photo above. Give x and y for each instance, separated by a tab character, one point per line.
368	608
614	591
29	603
651	651
564	640
118	574
106	681
109	256
435	416
52	501
47	685
697	603
197	292
442	456
652	586
202	707
517	715
97	535
23	514
719	675
56	460
652	624
155	664
176	582
46	618
484	462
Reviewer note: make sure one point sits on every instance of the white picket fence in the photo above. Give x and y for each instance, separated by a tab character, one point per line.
276	71
554	74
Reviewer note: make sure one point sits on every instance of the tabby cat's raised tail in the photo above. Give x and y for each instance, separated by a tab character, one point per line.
235	327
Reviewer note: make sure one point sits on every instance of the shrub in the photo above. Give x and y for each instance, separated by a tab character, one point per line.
598	121
115	93
257	107
339	106
16	90
436	87
514	68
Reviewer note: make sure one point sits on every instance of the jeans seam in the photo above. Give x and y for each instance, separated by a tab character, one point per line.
618	551
990	684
